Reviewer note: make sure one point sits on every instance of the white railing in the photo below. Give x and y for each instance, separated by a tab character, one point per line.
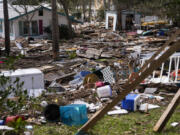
172	73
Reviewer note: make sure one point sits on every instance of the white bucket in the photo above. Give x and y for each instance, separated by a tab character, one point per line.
104	91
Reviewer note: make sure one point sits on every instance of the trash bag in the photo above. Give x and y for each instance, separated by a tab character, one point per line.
51	113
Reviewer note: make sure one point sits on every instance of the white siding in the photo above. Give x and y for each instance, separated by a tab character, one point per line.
12	35
46	21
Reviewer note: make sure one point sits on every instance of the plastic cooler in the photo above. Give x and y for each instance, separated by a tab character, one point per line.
131	102
74	114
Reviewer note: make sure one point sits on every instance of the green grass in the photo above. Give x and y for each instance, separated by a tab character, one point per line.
130	124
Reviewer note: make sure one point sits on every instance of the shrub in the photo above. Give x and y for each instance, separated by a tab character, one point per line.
63	32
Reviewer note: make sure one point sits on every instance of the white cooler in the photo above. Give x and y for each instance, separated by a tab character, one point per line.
33	78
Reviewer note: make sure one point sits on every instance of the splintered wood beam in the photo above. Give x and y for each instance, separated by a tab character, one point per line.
129	86
167	113
172	38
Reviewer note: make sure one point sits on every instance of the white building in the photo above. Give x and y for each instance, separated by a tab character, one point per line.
130	18
39	16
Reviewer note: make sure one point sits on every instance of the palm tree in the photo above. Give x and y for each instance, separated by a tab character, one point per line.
6	27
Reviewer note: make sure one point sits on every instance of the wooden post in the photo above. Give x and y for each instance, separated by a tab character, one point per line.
168	113
172	38
130	85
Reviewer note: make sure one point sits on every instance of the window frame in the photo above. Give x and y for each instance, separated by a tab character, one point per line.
41	12
1	26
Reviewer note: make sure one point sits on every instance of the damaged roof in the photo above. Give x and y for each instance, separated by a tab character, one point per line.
17	11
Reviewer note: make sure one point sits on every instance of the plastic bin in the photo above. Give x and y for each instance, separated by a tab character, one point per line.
74	114
131	102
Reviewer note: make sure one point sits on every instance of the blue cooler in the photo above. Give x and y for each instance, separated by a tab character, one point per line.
131	101
74	114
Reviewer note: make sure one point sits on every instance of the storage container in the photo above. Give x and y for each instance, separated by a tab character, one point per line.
33	78
74	114
104	91
131	102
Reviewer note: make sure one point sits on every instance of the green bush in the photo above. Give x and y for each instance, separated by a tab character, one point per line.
7	89
64	32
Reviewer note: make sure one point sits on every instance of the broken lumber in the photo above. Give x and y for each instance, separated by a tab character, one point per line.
65	76
172	38
130	85
167	113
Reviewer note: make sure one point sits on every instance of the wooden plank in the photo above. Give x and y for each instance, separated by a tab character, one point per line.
65	76
167	113
129	86
172	38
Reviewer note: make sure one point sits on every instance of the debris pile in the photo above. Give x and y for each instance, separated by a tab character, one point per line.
86	76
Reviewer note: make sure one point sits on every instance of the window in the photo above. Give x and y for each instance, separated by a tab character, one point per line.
20	28
11	27
40	12
26	28
34	27
1	26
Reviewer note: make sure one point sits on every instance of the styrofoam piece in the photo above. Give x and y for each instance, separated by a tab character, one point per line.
35	45
94	107
89	106
159	97
116	112
6	128
117	107
43	104
150	90
139	31
174	124
148	106
164	79
147	96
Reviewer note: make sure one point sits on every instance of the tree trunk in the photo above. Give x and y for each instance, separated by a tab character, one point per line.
108	4
55	30
84	10
90	10
105	5
6	27
65	7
